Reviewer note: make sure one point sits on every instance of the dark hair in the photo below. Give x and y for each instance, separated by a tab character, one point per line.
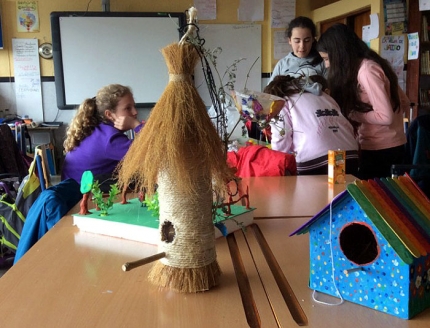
345	52
305	22
284	86
321	80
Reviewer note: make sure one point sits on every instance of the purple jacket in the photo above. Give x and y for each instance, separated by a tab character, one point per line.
99	153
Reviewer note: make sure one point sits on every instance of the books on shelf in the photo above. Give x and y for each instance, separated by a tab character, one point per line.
425	30
424	97
135	222
425	62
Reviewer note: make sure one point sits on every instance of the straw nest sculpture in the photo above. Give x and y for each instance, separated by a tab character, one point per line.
180	152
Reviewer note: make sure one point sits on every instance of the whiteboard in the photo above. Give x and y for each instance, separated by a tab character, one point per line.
94	49
236	41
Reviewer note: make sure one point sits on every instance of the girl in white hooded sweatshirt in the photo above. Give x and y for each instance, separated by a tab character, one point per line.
310	124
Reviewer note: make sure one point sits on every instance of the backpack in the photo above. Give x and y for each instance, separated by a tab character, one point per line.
11	224
12	159
13	211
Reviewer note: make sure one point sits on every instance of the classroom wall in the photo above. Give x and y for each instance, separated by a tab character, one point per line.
226	14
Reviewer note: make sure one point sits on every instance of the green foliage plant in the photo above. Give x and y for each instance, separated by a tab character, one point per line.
104	205
153	204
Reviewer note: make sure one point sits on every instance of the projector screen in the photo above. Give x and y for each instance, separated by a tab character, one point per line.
94	49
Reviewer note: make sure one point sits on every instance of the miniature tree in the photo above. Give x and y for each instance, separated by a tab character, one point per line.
86	185
104	205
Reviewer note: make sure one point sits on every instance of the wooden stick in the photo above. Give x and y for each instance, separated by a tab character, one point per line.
287	292
131	265
352	270
248	301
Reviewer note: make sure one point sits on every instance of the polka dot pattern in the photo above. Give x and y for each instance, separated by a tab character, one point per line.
387	284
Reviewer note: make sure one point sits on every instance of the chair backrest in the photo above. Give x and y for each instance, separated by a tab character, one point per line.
43	157
418	144
11	158
417	157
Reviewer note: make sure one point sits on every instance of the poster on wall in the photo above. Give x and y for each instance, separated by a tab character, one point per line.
27	16
424	5
395	17
283	11
281	45
28	88
206	9
413	46
393	50
250	11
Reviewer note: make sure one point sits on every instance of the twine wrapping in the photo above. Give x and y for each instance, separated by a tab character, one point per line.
180	78
194	242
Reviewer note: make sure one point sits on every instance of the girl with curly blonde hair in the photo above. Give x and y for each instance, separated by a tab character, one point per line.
95	140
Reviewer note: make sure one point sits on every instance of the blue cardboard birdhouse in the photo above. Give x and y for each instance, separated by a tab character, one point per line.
371	246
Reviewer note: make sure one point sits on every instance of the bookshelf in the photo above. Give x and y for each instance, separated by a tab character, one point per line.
418	70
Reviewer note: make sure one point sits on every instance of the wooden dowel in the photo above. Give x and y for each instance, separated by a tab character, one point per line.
287	292
131	265
352	270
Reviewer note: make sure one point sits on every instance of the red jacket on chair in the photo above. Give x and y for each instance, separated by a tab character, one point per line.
260	161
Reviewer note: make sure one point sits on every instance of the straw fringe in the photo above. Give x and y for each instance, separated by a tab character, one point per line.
185	280
178	127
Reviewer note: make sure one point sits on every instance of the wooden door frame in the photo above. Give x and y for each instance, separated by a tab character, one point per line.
347	19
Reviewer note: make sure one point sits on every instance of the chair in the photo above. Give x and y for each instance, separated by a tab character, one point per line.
417	157
43	157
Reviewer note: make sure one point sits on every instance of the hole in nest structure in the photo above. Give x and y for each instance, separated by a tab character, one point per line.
167	232
358	243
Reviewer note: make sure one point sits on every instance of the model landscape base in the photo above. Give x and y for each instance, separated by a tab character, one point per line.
135	222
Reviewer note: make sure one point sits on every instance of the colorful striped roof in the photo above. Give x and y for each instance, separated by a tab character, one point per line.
396	206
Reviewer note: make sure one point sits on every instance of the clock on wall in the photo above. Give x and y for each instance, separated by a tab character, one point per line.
45	50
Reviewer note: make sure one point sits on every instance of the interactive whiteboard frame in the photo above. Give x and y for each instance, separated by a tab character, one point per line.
94	49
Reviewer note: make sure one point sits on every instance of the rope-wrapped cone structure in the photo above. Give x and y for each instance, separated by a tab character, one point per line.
180	151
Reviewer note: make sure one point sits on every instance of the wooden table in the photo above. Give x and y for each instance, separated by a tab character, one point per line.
291	196
74	279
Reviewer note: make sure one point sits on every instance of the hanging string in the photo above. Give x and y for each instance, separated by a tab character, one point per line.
314	294
191	35
191	26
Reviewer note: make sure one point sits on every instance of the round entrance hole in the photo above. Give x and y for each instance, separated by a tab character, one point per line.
358	243
167	232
